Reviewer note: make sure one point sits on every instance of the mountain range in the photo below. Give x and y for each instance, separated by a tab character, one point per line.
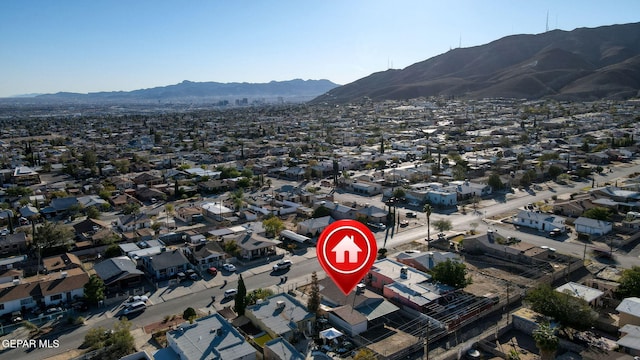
582	64
188	91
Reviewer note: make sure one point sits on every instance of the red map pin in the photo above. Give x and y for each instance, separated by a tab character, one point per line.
346	250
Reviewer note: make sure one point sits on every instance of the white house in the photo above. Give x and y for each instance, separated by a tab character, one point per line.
592	226
13	298
538	220
64	287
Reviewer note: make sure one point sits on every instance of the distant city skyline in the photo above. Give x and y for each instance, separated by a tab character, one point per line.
93	46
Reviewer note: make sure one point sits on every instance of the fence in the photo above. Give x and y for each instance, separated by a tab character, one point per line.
37	321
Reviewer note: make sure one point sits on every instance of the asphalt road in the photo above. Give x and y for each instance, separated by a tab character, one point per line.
301	271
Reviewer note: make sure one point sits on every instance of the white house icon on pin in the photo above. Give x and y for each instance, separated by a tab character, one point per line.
346	245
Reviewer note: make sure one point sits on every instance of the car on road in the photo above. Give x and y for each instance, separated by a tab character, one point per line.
377	226
411	215
282	264
229	267
404	223
136	307
230	293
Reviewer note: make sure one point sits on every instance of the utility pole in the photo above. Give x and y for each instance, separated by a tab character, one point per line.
425	344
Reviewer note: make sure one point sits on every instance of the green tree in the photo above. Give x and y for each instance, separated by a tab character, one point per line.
321	211
238	199
112	251
565	308
96	338
94	290
520	158
398	193
313	303
629	283
273	225
49	235
452	273
598	213
131	208
554	171
241	297
18	191
546	341
189	314
93	212
89	159
495	182
443	225
122	342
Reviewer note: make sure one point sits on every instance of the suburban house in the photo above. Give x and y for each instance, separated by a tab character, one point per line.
281	349
467	190
206	255
92	230
629	311
629	341
252	245
13	243
594	227
341	212
15	297
356	312
425	261
216	211
24	176
314	226
592	296
59	206
63	287
61	262
118	273
403	285
132	222
538	220
281	315
373	214
166	264
209	337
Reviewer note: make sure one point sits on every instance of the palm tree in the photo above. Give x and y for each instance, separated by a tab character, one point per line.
427	210
546	341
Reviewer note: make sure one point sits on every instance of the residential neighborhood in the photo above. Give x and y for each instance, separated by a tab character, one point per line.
475	205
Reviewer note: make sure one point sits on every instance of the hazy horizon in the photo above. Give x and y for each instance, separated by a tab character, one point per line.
102	46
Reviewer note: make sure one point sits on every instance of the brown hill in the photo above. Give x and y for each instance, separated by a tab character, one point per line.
583	64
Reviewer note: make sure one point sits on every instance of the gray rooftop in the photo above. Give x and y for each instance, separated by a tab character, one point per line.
280	320
114	269
204	340
283	349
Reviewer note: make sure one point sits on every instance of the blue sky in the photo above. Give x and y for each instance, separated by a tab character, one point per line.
87	46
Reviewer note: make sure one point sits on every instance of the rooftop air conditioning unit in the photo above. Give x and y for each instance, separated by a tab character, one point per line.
280	304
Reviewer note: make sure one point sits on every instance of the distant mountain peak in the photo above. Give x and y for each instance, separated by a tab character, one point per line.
582	64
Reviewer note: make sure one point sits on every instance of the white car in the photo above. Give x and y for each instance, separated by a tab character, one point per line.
135	299
230	293
229	267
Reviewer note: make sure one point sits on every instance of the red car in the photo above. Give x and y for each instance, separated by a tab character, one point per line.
213	271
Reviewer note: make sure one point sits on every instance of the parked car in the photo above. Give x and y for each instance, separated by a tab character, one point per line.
555	232
229	267
135	308
135	299
230	293
411	215
213	271
404	223
192	274
16	316
282	264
